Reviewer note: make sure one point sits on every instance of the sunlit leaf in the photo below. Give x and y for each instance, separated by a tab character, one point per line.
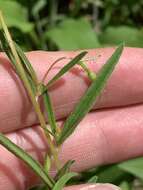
15	15
89	98
73	34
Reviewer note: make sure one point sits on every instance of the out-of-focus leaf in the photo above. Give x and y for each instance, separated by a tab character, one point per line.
134	167
15	15
93	179
73	34
111	174
114	35
39	5
63	180
125	185
89	98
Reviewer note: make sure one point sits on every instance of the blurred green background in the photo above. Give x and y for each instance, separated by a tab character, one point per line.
78	24
74	24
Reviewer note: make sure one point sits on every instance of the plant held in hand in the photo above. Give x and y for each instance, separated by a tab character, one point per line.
55	136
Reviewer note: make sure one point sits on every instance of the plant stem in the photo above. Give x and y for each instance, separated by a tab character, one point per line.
29	90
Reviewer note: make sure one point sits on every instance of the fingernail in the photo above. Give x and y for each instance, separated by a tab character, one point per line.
97	186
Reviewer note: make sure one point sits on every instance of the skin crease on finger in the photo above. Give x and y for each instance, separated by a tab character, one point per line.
103	137
121	89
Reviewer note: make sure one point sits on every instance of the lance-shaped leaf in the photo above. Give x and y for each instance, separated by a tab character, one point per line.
5	47
47	163
29	71
50	112
9	47
33	164
63	180
89	98
66	68
26	63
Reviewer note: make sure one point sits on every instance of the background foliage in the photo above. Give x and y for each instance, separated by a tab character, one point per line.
74	24
79	24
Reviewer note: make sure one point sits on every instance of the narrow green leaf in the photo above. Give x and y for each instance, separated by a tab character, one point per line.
111	174
5	47
63	180
47	163
89	98
29	71
33	164
7	50
26	63
65	169
50	112
66	68
31	82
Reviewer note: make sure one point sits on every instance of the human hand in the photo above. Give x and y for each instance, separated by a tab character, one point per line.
105	136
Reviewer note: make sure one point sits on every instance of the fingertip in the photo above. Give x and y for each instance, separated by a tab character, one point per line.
96	186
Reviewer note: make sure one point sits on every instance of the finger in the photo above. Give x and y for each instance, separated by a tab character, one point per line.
101	138
93	187
122	89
